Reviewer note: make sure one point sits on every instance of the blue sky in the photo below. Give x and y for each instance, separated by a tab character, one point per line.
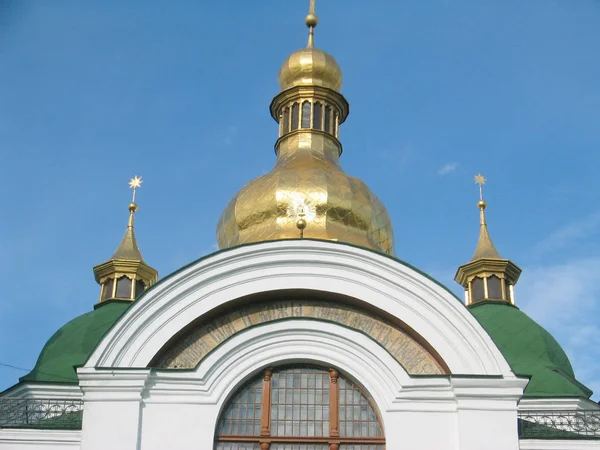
94	92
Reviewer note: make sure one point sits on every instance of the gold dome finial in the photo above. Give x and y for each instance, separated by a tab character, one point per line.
310	66
126	275
485	246
311	22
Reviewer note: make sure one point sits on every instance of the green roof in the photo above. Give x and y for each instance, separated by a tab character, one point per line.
72	344
530	350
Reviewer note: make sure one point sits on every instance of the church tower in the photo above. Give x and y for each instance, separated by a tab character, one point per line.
307	194
488	276
125	275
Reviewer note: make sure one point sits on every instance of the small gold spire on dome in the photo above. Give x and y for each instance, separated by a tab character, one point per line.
126	275
487	277
128	248
485	246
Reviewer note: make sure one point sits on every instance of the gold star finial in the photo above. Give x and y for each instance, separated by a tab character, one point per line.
311	22
134	184
480	180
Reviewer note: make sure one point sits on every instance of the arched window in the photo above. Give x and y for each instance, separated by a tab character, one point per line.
507	290
140	287
477	291
123	288
318	116
493	287
299	408
335	125
108	289
327	119
286	121
306	114
295	114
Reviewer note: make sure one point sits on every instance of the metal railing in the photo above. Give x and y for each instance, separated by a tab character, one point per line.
59	414
572	424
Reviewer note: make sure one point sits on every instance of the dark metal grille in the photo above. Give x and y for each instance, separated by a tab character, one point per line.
59	414
573	424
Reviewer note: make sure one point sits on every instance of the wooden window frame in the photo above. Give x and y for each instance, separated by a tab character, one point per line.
333	440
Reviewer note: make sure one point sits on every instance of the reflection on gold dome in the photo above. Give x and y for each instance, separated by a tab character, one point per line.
307	194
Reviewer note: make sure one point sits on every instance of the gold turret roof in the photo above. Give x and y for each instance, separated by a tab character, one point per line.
128	248
126	275
307	194
487	276
485	246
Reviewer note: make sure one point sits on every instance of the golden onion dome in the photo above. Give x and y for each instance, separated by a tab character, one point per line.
310	67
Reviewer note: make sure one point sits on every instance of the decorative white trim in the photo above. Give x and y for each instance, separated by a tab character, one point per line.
15	438
556	403
389	285
44	391
558	444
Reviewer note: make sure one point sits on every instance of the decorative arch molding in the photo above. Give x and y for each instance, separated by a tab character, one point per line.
189	349
388	284
238	359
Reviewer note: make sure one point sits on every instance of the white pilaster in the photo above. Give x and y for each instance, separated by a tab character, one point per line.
112	408
487	412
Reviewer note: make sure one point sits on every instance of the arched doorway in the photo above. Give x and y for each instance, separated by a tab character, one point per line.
300	407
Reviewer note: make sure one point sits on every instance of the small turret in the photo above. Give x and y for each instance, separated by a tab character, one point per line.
488	276
125	275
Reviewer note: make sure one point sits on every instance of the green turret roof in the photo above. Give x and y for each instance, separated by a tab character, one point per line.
72	344
530	350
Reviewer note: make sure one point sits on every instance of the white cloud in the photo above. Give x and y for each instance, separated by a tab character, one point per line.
570	233
447	168
563	298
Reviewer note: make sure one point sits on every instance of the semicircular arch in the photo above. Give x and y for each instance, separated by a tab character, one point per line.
192	345
388	284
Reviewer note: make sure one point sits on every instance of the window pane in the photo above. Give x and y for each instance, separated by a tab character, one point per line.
493	285
306	114
318	116
328	119
300	405
123	288
507	290
237	446
357	417
477	289
295	114
286	121
140	287
242	415
280	446
108	289
300	412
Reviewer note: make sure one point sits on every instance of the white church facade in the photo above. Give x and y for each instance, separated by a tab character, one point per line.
304	331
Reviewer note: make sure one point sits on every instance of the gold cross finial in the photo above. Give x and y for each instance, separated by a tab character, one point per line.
134	184
480	180
311	22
